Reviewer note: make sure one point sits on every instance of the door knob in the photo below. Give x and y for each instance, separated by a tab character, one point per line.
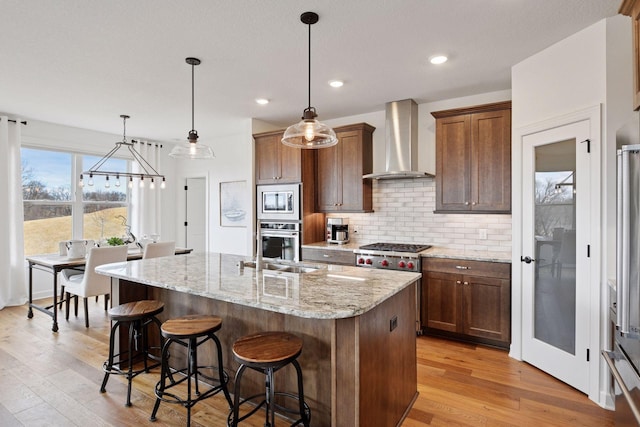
526	259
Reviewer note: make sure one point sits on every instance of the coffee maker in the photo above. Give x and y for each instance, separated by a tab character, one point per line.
338	230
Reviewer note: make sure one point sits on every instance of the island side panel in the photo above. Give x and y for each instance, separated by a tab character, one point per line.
237	321
388	370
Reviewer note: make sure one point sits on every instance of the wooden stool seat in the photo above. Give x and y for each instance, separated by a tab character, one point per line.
191	326
267	348
136	310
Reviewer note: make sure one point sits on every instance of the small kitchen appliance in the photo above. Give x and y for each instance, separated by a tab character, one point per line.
338	230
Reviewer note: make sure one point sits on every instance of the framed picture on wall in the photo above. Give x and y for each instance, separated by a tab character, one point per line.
233	204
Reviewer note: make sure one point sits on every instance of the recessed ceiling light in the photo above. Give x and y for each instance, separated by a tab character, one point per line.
336	83
438	59
262	101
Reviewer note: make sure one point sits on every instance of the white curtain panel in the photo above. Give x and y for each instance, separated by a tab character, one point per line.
13	290
145	203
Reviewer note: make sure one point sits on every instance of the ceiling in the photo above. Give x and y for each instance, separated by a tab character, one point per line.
84	62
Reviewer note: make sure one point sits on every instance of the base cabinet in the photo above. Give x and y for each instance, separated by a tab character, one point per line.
468	300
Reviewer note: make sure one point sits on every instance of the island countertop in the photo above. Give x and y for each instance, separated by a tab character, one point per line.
330	292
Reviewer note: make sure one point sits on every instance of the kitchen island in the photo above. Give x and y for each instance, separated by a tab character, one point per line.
357	326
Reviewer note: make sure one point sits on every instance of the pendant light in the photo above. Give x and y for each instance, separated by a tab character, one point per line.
309	133
146	170
191	149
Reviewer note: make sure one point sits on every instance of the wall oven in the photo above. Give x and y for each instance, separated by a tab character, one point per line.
280	240
278	202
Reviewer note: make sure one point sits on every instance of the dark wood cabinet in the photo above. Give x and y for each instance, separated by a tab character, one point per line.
275	162
632	8
340	187
473	159
469	300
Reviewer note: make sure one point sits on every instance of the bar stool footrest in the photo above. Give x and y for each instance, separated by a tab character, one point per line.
280	408
165	396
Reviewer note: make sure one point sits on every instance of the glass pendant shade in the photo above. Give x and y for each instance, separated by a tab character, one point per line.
309	133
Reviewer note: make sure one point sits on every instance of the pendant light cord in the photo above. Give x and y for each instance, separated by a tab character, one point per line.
309	86
192	96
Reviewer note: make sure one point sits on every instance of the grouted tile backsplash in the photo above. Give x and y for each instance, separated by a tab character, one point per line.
403	212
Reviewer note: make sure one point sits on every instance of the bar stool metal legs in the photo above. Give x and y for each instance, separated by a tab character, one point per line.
190	332
138	315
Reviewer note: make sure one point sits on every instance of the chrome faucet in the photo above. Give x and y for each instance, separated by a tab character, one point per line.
258	245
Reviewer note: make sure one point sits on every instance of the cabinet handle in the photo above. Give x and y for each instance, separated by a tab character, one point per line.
462	267
325	255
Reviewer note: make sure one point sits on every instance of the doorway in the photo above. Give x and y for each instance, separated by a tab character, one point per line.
557	256
195	224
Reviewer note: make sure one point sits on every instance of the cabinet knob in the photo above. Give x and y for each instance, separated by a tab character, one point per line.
458	282
466	283
466	203
474	203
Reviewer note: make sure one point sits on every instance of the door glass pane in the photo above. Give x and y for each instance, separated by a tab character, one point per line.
555	239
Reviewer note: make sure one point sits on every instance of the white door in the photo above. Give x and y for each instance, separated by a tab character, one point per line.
555	253
196	214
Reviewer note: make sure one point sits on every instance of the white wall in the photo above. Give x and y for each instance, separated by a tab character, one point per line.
589	68
233	161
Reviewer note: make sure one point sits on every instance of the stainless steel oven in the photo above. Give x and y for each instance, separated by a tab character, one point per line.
280	240
278	202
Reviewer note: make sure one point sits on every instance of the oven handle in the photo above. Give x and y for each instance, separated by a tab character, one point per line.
271	233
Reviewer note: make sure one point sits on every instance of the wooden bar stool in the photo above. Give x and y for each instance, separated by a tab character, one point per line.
139	315
267	352
186	331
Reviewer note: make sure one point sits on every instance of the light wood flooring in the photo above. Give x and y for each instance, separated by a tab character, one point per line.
53	379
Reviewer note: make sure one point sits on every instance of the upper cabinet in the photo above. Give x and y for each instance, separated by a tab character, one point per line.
632	8
340	187
276	162
473	159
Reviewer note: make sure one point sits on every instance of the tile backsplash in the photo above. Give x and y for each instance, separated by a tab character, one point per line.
403	212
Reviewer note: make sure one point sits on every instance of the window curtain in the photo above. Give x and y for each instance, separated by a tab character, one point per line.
13	289
146	202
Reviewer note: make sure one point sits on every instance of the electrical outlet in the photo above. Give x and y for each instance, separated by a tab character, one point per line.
482	234
393	323
354	228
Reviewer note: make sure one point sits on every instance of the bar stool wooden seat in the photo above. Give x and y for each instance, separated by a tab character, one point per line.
139	315
267	352
186	331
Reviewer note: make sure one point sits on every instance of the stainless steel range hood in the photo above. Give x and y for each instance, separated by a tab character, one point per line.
401	143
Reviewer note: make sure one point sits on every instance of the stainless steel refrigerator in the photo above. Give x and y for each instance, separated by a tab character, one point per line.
624	359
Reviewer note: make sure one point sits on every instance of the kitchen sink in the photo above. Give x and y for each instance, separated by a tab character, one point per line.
276	266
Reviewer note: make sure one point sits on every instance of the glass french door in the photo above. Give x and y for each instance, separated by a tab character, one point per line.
555	279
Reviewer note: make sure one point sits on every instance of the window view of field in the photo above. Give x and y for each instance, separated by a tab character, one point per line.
43	235
51	202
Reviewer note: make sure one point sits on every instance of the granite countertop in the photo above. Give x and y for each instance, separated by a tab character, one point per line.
331	292
434	251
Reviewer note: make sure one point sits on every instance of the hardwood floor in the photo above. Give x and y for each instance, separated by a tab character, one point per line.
53	379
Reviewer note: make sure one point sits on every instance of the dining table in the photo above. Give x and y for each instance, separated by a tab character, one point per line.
55	263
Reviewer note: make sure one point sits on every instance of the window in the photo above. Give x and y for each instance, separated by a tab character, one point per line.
54	211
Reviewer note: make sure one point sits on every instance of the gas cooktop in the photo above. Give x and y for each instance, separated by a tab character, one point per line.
395	247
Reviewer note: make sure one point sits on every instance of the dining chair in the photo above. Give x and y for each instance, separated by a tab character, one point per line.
158	249
89	283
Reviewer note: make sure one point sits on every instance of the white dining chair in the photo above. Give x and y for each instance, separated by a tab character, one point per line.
158	249
89	283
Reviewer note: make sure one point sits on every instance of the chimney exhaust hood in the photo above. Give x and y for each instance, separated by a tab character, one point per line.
401	142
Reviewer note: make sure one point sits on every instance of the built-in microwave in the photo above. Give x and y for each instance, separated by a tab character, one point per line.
278	202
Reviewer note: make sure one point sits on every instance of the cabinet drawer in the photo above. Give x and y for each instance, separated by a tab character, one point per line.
329	256
499	270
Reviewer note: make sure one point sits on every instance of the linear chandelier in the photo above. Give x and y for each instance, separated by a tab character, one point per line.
309	132
147	171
